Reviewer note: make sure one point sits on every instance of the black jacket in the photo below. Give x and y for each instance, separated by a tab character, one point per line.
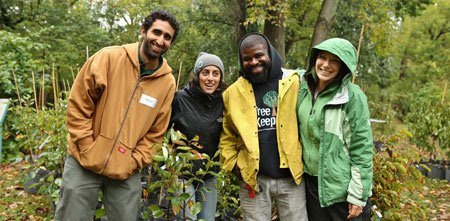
197	113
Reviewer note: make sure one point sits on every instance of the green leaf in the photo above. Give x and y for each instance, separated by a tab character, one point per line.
165	152
186	155
425	167
409	134
196	208
400	168
158	158
50	178
154	185
100	213
158	214
154	207
186	148
184	196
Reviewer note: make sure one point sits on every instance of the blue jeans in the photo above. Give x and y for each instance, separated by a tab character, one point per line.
209	205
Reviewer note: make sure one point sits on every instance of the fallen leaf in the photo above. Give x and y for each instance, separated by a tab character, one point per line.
13	206
41	210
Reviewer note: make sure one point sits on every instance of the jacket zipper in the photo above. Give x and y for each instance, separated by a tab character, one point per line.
322	197
121	125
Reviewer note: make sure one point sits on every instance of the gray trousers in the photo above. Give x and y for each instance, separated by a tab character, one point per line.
79	192
289	198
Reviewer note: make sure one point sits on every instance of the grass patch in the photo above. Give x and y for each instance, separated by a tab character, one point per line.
15	203
433	198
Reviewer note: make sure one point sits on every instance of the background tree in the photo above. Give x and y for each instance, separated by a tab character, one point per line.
325	20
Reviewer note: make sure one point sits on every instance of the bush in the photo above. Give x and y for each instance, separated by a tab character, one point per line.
173	161
393	175
39	138
429	121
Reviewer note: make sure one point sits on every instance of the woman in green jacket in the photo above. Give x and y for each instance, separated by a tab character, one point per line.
335	131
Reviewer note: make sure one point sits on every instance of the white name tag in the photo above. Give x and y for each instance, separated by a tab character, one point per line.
149	101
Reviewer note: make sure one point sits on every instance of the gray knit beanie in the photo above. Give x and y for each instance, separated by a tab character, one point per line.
204	59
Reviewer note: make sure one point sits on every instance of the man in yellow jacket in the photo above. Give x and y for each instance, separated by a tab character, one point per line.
259	142
119	106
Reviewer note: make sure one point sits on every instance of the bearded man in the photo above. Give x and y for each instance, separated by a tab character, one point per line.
259	142
119	106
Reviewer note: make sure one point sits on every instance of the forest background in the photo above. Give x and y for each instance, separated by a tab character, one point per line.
403	57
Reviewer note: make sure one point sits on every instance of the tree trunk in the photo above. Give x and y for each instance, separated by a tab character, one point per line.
241	16
324	22
274	28
403	65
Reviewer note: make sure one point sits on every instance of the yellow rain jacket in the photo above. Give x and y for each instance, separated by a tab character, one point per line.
239	139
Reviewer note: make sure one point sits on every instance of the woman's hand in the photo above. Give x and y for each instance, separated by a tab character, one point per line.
354	210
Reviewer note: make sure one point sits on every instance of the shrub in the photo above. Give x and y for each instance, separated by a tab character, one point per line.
173	161
39	138
393	175
429	121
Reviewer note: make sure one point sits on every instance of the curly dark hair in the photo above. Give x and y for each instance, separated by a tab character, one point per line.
164	16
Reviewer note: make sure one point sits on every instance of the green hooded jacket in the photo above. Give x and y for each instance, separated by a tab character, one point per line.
335	130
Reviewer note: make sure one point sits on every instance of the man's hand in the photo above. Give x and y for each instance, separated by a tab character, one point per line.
237	171
354	210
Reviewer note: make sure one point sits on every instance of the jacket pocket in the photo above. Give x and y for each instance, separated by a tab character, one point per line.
94	156
120	165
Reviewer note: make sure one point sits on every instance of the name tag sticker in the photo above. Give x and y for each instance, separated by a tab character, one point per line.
149	101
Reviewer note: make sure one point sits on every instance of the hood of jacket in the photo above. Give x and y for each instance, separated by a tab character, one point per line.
275	58
339	47
132	51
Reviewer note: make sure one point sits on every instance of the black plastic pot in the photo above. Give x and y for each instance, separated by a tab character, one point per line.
447	174
33	190
438	169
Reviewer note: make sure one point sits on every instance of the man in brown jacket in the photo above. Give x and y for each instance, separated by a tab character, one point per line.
119	106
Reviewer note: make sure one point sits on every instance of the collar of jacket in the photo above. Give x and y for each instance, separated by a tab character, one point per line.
341	97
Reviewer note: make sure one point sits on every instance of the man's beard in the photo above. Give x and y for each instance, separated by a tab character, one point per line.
258	78
148	51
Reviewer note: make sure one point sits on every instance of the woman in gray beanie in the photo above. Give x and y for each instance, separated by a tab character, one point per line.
197	111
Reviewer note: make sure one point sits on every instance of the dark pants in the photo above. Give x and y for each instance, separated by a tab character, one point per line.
337	211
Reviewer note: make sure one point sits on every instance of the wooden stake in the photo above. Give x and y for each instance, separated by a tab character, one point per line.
359	47
55	96
57	86
64	85
179	73
68	85
87	52
445	91
34	92
43	89
17	86
73	78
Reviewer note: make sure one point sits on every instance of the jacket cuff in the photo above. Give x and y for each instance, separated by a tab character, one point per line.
356	201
